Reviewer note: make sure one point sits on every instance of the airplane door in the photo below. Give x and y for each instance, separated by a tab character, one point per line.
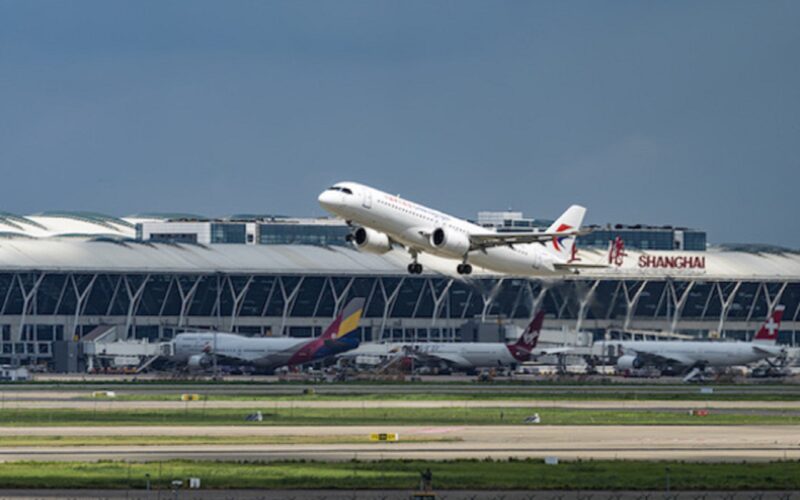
367	200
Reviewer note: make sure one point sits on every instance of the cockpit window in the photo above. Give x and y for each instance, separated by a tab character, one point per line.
334	188
347	191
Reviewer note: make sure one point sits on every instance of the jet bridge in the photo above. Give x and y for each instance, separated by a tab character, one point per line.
103	350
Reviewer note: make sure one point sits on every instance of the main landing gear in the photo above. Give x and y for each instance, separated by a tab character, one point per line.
464	268
415	267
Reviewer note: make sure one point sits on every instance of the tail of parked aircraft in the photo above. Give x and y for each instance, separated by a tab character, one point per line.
522	348
768	333
530	337
335	338
346	321
570	220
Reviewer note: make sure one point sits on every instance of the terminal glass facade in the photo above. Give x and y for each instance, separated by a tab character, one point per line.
303	234
646	239
228	233
40	309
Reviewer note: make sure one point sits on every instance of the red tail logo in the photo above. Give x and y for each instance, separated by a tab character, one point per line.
769	330
557	241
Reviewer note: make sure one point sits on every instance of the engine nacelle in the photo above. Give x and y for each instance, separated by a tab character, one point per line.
371	241
629	362
199	361
449	242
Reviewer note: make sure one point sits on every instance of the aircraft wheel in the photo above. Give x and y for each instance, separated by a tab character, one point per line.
415	268
464	269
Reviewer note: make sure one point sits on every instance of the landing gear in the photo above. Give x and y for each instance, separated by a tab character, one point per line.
415	268
464	269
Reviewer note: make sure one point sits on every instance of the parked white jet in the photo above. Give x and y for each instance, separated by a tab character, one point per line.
695	356
197	349
381	220
464	355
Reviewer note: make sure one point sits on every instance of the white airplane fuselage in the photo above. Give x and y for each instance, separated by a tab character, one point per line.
713	354
466	355
411	224
258	351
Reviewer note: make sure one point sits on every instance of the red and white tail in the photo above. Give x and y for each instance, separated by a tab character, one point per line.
522	348
530	337
768	333
569	222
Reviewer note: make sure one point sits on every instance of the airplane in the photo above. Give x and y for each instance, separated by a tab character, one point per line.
198	349
465	355
695	356
382	220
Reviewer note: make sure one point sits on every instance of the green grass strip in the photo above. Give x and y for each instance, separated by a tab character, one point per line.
462	474
196	415
476	396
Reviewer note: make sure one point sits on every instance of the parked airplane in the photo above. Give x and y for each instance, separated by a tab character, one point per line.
381	220
464	355
695	356
197	349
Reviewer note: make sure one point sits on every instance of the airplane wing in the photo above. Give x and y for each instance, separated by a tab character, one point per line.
438	358
551	351
768	350
652	356
488	240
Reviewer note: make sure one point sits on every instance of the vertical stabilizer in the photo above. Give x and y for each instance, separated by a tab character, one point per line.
569	221
522	348
768	333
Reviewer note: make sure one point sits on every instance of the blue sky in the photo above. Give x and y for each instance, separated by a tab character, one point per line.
680	112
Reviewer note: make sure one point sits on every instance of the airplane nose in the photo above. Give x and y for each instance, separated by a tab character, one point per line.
327	199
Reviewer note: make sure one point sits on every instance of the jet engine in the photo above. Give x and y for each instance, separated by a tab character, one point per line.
629	362
371	241
199	361
450	242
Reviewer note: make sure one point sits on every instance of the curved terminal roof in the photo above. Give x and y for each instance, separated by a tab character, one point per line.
65	224
109	255
130	256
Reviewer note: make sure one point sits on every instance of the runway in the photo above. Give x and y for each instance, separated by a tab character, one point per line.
696	443
111	404
520	386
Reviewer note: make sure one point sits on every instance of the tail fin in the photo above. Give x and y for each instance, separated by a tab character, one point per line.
570	220
530	337
522	348
768	333
329	343
346	321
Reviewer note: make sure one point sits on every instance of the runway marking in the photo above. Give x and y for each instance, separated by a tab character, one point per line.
441	430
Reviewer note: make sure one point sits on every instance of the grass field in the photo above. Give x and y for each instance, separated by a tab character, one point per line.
381	416
463	474
477	396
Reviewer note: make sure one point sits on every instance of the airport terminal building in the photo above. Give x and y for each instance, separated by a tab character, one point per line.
66	277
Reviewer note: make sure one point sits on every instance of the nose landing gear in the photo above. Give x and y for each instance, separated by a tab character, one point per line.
464	268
